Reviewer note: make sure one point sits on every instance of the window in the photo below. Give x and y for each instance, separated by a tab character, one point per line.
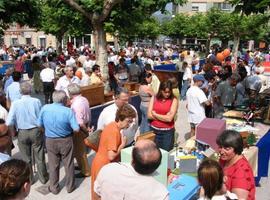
14	41
42	42
195	8
223	6
28	41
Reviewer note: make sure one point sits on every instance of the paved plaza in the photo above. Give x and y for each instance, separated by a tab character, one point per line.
82	191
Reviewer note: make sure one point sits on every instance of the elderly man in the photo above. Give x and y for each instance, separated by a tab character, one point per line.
108	115
13	90
59	122
67	79
122	181
23	114
81	108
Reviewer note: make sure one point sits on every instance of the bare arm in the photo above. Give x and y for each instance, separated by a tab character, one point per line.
150	108
170	115
241	193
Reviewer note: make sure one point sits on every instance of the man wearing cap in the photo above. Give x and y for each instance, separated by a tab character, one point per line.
196	99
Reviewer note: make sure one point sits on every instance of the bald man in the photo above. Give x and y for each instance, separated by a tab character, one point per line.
132	181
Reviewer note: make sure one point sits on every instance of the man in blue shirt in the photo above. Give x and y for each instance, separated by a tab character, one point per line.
23	114
59	122
13	90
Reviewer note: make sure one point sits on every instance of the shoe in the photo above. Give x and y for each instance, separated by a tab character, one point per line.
69	191
80	175
54	192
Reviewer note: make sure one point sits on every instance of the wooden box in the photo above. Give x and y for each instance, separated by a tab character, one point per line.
94	94
108	97
130	86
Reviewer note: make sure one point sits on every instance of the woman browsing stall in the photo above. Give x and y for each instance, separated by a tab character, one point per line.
162	110
112	141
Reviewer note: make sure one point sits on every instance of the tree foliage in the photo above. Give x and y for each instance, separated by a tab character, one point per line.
20	11
250	6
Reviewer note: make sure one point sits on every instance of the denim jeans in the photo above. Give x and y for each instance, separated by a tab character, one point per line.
184	89
164	138
144	126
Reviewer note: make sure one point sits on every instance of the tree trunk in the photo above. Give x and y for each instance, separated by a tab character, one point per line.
116	43
224	43
101	51
59	44
236	41
208	45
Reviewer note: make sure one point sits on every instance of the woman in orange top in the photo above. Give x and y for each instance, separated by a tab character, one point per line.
111	142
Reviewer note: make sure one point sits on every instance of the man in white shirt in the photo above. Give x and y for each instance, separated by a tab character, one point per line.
132	182
47	77
108	115
67	79
196	99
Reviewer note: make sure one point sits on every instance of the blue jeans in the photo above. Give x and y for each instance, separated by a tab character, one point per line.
144	126
184	89
164	138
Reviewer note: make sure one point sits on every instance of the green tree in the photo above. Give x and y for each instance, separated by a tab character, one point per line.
20	11
59	19
250	6
100	11
178	28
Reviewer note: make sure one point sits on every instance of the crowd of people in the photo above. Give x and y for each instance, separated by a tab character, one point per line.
60	126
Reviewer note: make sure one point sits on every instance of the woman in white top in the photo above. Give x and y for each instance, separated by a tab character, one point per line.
210	177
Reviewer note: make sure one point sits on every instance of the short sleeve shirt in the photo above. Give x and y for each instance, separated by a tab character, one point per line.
240	175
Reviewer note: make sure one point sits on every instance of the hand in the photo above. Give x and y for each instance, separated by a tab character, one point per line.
154	113
90	130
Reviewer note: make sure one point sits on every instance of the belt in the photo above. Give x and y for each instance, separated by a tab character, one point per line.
161	129
27	129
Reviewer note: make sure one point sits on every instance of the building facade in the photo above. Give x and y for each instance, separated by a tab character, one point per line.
193	6
17	35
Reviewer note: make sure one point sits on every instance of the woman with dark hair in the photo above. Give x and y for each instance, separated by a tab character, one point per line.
14	180
111	142
145	92
210	177
162	110
238	173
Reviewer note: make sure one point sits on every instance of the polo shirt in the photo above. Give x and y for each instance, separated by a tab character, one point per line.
58	120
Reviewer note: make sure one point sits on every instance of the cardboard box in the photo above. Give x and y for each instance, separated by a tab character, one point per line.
160	174
208	130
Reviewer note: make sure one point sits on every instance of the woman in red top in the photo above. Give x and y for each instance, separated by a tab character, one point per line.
162	110
239	177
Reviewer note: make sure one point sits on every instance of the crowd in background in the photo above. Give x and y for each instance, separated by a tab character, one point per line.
209	88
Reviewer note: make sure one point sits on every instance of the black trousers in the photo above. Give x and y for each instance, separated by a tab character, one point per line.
48	89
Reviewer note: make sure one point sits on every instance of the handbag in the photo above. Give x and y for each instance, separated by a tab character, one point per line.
92	141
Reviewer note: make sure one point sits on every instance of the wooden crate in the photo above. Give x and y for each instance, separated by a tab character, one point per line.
94	94
130	86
